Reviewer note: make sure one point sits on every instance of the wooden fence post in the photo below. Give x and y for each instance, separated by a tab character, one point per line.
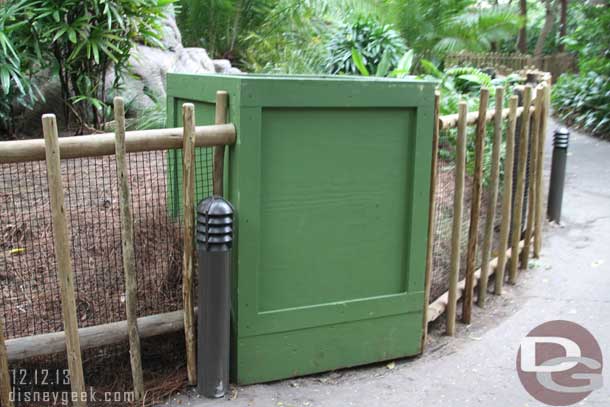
520	190
475	207
431	215
492	197
458	203
62	244
5	378
129	261
507	193
533	166
540	171
188	190
222	98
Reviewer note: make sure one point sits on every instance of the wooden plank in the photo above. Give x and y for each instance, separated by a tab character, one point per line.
492	198
475	207
533	166
103	144
520	178
507	193
222	101
129	260
458	204
95	336
431	214
440	305
188	188
5	378
540	171
62	244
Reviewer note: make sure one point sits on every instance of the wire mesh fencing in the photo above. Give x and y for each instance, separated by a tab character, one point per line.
30	293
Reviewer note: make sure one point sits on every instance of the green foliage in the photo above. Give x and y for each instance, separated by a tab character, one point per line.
221	26
376	45
584	101
383	69
295	34
439	27
79	40
16	62
591	39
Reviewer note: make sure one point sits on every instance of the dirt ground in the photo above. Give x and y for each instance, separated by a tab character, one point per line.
30	295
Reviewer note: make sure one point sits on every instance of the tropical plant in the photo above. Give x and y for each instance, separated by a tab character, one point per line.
439	27
377	45
584	101
402	69
293	37
80	40
221	26
16	62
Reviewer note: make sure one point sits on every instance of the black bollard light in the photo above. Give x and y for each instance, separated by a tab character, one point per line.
214	242
561	138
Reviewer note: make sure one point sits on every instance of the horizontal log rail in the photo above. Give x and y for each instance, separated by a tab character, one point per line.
104	144
438	306
450	121
94	336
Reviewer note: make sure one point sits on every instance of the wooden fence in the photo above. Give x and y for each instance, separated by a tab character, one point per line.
534	110
526	127
554	64
72	339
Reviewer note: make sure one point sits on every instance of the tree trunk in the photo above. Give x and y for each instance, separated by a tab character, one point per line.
563	27
522	41
549	19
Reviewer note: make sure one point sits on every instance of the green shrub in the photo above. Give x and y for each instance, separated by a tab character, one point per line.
16	63
584	101
79	40
373	41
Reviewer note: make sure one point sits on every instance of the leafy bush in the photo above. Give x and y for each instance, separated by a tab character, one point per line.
79	40
16	62
294	35
584	101
374	42
452	25
221	26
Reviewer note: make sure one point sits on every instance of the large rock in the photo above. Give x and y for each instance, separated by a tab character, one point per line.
145	82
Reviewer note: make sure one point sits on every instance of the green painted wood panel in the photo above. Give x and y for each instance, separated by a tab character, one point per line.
330	180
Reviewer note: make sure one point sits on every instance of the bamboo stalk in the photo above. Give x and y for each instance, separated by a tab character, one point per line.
507	193
188	189
103	144
492	198
222	99
5	378
129	261
520	190
431	214
533	165
475	208
62	246
540	171
456	233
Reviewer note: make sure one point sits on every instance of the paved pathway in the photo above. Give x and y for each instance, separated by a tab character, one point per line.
570	281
